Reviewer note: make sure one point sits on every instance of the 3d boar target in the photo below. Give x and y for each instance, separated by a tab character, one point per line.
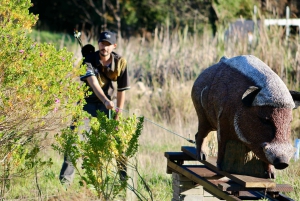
243	99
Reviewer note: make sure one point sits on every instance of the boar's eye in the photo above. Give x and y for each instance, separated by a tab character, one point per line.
269	125
266	120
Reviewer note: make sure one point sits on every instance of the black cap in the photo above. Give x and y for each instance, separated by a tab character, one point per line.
107	36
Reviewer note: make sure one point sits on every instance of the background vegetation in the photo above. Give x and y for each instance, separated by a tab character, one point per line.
162	66
142	17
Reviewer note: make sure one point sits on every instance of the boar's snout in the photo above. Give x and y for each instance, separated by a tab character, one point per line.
281	163
278	154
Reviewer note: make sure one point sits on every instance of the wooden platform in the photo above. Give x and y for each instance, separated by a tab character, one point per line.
221	184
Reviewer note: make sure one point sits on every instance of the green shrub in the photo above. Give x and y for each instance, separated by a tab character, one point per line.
105	150
38	92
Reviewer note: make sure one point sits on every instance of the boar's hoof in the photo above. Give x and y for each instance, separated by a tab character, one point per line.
201	156
270	172
279	164
270	175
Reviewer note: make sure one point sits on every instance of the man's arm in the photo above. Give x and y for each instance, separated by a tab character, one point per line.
123	85
120	99
120	102
94	84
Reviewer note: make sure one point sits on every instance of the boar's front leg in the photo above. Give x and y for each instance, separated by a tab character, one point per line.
221	153
223	136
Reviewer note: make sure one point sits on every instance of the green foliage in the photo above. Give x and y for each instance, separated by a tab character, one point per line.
57	39
228	10
38	91
134	15
148	15
290	176
137	15
105	150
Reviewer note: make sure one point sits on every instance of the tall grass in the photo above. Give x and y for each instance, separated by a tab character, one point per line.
175	61
162	71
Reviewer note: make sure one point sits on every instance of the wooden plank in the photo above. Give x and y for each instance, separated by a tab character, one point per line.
250	195
252	182
211	188
178	156
231	186
282	22
202	171
258	195
244	180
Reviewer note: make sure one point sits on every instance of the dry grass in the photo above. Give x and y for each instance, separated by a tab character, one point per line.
174	65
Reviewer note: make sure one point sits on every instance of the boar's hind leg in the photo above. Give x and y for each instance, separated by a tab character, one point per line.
203	130
222	141
221	154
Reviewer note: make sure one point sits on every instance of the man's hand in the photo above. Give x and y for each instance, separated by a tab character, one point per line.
109	104
118	112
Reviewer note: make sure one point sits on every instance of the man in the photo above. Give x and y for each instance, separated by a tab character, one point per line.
103	68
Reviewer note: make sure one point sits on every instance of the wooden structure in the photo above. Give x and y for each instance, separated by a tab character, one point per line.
244	162
206	182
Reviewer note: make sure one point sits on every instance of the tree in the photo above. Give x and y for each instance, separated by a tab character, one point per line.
277	8
228	11
134	16
122	16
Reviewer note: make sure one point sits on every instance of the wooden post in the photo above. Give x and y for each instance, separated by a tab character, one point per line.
239	159
185	189
132	180
287	27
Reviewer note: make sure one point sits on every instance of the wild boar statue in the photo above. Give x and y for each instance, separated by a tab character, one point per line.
244	100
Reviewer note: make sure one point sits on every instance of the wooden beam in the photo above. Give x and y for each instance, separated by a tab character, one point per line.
232	186
282	22
178	156
243	180
202	171
202	181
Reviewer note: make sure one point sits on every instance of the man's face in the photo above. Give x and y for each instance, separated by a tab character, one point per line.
105	48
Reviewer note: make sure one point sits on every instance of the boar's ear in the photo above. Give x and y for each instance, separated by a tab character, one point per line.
296	97
249	95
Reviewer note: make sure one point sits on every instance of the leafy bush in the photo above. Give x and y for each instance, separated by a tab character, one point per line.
105	150
38	91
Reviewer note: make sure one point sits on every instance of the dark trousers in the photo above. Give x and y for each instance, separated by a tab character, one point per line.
67	170
92	108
